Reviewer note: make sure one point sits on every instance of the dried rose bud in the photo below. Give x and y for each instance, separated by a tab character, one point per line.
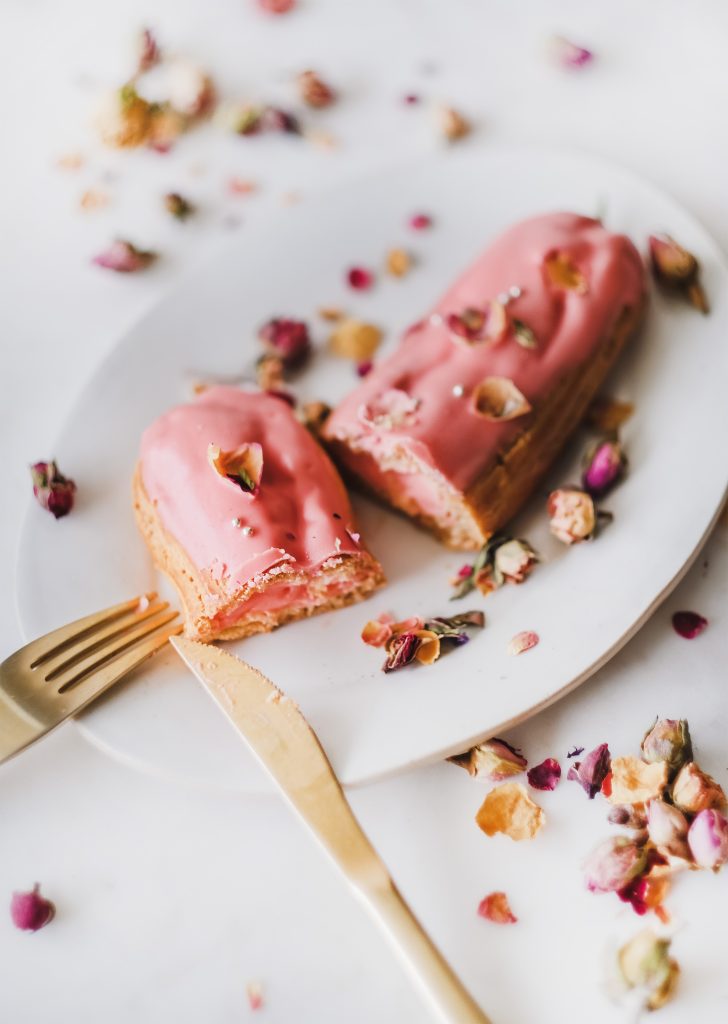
364	368
604	464
287	339
677	269
452	124
668	739
514	560
273	119
494	760
30	911
177	205
314	91
644	963
708	839
495	907
572	515
613	864
667	828
591	772
360	278
190	89
694	790
124	258
52	489
149	53
546	775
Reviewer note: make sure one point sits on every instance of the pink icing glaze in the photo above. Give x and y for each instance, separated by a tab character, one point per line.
292	516
445	433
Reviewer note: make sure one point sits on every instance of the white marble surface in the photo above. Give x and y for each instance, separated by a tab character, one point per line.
171	899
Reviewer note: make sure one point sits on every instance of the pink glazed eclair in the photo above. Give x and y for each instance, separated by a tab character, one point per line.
247	515
458	426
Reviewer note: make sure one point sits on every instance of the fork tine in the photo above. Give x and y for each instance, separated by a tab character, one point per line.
63	637
91	686
70	655
109	652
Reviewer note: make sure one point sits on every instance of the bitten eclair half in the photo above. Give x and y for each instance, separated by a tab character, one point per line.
246	513
460	423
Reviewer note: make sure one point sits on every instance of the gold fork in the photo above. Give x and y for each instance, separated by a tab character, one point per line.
53	678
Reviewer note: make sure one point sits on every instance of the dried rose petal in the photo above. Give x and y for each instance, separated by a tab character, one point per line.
570	54
376	633
330	313
607	414
572	516
494	760
393	408
694	790
428	650
254	992
364	368
52	490
355	339
708	839
510	810
420	222
524	335
635	782
452	124
313	415
30	911
677	269
591	772
502	559
647	891
411	98
399	262
243	466
473	326
498	399
191	91
288	339
273	119
668	739
269	370
523	641
360	278
688	624
632	817
546	775
149	52
613	864
314	91
178	206
562	272
495	907
574	752
644	963
94	199
604	464
124	258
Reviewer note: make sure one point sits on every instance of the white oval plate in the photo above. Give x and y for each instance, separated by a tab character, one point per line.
584	603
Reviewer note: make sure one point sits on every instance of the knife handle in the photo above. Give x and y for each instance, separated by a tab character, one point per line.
432	974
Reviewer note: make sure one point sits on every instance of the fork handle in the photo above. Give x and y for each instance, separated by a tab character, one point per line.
437	982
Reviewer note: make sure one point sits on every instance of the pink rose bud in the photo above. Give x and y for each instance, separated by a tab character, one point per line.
668	740
572	515
52	489
30	911
613	864
694	790
288	339
514	560
604	465
667	827
708	839
677	269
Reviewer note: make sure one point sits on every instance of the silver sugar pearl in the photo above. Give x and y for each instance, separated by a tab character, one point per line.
237	523
248	531
514	291
436	319
458	390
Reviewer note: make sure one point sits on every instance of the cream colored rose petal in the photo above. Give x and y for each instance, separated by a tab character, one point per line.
510	810
635	782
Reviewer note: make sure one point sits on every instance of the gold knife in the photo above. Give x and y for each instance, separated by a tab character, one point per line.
282	740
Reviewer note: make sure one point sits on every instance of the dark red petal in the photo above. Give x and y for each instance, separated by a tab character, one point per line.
688	624
360	278
420	221
546	775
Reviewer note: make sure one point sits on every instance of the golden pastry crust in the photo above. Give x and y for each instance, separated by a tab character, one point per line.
209	607
506	484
